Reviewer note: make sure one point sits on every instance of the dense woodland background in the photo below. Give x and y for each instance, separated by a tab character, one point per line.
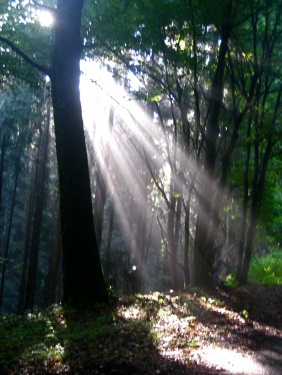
185	166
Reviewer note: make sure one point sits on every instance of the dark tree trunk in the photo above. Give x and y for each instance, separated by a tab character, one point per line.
26	254
83	281
8	234
257	189
39	193
141	233
3	148
204	249
253	217
54	264
187	207
109	242
242	240
172	251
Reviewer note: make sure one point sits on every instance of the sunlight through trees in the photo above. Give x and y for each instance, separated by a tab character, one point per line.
167	168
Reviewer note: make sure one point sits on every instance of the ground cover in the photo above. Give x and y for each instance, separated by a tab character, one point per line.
157	333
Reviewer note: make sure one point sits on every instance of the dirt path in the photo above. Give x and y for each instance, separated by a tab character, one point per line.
265	361
218	331
264	354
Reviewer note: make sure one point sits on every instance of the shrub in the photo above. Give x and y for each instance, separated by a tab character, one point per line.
266	270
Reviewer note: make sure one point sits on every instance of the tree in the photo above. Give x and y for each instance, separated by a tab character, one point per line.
82	273
263	100
83	278
172	50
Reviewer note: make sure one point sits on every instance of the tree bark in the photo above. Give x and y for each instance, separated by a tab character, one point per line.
204	240
54	264
83	281
9	228
3	148
39	185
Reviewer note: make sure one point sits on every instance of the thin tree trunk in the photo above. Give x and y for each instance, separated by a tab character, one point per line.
39	190
244	207
8	234
3	148
102	182
204	251
28	231
141	234
187	207
54	266
109	241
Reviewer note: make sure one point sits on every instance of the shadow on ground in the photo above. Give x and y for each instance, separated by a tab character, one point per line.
131	349
158	333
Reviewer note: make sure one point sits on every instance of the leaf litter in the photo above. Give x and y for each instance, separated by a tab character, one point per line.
156	333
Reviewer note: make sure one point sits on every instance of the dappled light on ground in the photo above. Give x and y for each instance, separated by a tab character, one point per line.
195	332
232	361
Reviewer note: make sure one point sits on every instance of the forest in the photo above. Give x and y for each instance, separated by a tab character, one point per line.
140	167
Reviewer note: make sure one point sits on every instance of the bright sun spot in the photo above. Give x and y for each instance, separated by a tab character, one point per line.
97	89
45	18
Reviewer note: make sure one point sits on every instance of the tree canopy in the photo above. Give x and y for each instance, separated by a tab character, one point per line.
183	187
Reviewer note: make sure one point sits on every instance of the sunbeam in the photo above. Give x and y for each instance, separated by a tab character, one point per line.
143	171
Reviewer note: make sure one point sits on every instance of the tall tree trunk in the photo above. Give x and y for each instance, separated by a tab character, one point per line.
172	251
54	264
27	241
257	190
204	251
253	217
39	191
8	234
242	240
141	232
82	272
108	261
187	207
3	148
102	182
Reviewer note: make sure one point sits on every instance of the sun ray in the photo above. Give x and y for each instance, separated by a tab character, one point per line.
139	162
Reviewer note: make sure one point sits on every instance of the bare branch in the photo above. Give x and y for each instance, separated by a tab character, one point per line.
166	245
158	185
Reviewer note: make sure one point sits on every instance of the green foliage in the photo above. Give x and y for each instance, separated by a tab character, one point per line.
19	24
267	270
172	47
134	331
48	336
230	280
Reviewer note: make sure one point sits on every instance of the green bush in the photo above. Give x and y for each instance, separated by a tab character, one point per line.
266	270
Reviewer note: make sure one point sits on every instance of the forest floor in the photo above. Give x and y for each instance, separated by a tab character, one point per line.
215	331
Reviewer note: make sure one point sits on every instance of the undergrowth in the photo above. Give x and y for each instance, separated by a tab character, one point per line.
266	270
156	333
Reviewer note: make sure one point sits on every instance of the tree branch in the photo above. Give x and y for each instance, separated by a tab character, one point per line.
50	9
166	244
25	57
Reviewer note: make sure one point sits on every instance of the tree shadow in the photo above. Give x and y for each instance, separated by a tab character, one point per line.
119	339
130	349
271	354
